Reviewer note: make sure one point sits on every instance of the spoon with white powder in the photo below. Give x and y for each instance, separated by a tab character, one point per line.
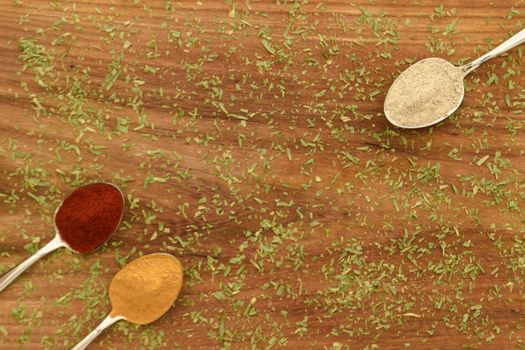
432	89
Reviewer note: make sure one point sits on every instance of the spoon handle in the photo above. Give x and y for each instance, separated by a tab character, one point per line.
10	276
500	49
108	321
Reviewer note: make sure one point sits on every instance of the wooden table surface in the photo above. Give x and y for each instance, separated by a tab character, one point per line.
249	139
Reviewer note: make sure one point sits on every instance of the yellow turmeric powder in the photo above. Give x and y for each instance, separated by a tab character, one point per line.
146	288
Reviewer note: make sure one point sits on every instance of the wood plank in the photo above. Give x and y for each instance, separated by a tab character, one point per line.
250	139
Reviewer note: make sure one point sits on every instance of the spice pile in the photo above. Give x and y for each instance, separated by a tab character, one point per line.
424	93
89	216
146	288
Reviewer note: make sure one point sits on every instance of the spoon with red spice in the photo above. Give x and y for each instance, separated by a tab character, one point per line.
85	220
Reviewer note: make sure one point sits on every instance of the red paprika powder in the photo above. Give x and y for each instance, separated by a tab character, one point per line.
89	215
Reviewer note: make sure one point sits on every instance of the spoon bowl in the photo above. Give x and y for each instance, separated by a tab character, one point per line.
109	197
428	104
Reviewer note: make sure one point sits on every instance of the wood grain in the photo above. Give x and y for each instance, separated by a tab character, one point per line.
341	231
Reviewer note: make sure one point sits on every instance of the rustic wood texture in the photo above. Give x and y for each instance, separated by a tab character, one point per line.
340	231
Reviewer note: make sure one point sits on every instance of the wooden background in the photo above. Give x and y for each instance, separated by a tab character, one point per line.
250	142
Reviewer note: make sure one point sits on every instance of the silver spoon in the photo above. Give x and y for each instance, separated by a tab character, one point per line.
57	241
172	275
456	79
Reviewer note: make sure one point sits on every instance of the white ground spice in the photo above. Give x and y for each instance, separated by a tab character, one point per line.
424	93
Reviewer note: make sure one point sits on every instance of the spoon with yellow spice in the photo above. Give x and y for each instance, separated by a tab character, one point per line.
141	292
